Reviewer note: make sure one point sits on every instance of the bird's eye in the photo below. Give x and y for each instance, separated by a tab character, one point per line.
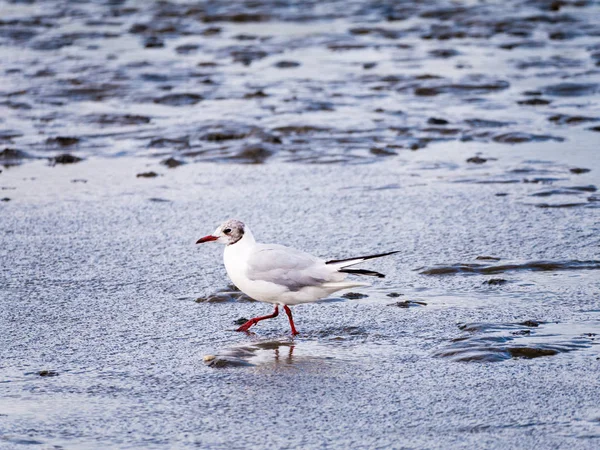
227	230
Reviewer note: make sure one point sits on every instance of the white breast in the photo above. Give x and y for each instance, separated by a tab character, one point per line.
235	258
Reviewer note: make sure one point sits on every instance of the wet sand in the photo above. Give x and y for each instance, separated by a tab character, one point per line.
464	136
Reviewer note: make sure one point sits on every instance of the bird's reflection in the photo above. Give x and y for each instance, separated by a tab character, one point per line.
267	353
289	359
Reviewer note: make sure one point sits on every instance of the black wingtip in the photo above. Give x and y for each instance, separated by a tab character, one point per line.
370	273
364	258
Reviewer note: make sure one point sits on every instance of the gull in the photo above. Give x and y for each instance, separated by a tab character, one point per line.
280	275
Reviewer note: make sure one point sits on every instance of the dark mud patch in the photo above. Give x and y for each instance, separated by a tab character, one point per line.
171	163
354	295
437	121
572	190
571	89
340	333
62	141
537	266
534	102
256	94
118	119
382	152
300	129
564	119
90	92
187	49
183	99
579	170
65	158
495	342
252	154
558	196
150	174
487	258
11	157
287	64
520	138
237	131
225	295
556	62
561	205
472	85
477	160
444	53
170	143
408	304
495	282
9	135
484	123
156	63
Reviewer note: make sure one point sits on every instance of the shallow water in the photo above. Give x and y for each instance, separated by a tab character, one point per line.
469	146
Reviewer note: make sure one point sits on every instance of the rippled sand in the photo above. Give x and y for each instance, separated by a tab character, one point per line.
464	135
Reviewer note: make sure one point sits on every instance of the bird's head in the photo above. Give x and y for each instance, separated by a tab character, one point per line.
227	233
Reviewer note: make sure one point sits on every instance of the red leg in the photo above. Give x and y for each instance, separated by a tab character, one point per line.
254	321
288	311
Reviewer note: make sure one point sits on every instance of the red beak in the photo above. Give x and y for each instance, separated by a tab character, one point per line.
206	239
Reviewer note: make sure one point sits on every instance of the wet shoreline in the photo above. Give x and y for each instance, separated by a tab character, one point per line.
463	135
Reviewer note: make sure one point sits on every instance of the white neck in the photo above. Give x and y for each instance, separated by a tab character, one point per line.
243	246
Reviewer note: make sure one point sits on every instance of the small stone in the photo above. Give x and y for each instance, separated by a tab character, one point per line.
394	294
5	199
240	321
208	358
47	373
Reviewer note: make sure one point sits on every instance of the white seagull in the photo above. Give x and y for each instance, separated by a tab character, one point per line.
281	275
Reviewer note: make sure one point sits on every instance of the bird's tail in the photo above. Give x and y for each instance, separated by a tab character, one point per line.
341	264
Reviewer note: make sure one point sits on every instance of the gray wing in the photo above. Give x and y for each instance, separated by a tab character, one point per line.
287	267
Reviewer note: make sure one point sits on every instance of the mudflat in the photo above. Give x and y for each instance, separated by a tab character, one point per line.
465	136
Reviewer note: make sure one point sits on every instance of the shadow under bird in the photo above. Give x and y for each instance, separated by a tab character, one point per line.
281	275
